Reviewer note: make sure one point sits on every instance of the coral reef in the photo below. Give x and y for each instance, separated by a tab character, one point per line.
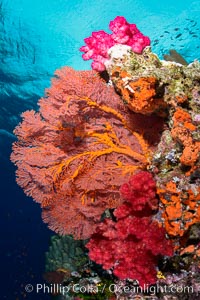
181	207
100	42
65	254
138	94
69	270
114	157
183	131
65	258
163	84
151	86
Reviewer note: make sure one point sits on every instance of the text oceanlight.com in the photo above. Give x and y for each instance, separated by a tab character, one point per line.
113	288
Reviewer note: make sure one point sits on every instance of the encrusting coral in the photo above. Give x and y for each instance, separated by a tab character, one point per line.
177	184
74	154
138	94
181	208
164	84
175	161
148	85
182	131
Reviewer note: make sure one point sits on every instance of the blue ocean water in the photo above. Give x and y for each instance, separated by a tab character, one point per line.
36	38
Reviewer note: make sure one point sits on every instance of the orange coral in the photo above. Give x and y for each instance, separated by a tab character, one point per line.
139	94
181	116
181	208
182	132
193	251
188	249
180	99
74	154
190	154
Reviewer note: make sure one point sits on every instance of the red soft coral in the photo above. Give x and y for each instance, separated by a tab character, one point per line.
140	191
132	245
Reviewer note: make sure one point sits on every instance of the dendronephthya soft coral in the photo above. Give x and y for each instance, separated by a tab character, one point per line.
100	42
132	244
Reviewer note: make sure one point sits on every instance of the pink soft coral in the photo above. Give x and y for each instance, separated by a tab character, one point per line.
133	244
100	42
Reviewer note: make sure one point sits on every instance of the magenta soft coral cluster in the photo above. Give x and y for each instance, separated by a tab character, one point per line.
140	192
100	42
132	244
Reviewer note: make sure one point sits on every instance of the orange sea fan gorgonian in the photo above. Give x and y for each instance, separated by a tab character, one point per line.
75	153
